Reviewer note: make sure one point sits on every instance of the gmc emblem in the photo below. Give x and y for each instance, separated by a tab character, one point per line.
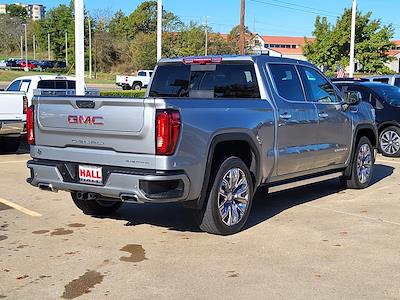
85	120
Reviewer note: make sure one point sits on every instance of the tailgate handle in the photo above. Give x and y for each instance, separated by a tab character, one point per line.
85	104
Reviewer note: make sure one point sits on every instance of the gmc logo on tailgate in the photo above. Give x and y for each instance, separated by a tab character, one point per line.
85	120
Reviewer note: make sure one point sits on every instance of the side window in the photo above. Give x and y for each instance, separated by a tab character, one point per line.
397	82
318	88
383	80
25	86
14	87
287	81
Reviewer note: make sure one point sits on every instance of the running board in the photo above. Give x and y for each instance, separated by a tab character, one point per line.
303	182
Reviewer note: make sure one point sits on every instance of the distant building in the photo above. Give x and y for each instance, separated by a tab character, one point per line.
35	11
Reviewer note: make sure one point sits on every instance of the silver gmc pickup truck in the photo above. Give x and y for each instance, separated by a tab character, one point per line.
209	132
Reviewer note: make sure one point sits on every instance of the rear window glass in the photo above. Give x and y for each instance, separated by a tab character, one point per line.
210	81
142	74
287	82
383	80
397	82
56	84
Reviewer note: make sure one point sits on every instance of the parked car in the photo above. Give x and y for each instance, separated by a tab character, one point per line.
50	84
13	107
3	64
30	64
208	133
59	64
388	79
45	64
13	62
138	82
386	101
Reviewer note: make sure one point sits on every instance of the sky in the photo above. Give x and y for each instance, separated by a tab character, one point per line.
268	17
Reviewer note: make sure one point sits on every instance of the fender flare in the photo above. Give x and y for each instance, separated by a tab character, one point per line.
348	170
228	137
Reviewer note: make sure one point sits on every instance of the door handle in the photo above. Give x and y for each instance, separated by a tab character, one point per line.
285	116
323	115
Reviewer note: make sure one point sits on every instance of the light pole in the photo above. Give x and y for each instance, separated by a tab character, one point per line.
90	48
353	37
26	49
159	29
22	47
34	46
206	33
66	48
79	48
48	47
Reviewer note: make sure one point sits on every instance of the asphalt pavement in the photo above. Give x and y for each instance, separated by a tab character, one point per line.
313	242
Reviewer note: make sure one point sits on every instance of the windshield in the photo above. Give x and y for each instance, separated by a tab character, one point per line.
391	94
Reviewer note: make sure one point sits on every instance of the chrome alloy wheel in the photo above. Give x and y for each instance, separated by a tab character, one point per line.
364	163
390	142
233	197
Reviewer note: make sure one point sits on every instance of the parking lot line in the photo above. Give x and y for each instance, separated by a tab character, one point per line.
20	208
388	161
354	215
13	161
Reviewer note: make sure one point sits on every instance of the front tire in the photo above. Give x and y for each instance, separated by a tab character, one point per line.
96	207
389	142
362	166
230	198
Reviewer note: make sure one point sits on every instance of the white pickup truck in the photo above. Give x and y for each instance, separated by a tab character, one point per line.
13	108
138	82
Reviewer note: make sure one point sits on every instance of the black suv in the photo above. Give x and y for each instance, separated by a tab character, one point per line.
386	101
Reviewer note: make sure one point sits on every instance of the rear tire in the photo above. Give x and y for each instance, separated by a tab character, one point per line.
229	199
10	145
389	142
96	207
136	86
362	166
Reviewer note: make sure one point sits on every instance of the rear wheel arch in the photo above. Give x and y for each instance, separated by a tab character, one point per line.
224	145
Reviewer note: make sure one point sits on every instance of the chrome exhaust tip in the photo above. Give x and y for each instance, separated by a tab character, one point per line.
47	187
130	198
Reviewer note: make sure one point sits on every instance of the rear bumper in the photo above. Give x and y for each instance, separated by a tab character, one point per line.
11	128
119	183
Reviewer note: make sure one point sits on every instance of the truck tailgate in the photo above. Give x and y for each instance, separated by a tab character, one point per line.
117	124
11	106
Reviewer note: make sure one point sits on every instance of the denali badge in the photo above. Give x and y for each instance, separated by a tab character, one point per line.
85	120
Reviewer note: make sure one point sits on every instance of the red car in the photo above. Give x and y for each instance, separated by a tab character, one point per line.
30	65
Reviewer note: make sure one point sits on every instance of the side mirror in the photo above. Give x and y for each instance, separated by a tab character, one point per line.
353	98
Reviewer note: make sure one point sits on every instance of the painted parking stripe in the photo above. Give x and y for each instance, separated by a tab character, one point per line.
20	208
13	161
388	161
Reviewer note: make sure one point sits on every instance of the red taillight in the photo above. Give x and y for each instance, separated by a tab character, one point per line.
25	103
30	129
168	124
202	60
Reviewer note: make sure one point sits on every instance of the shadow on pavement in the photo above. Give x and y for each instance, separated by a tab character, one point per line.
177	218
23	148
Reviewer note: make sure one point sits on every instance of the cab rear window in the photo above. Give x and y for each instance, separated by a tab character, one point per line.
56	84
208	81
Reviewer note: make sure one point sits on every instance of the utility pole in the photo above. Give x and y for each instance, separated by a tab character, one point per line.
353	37
242	40
79	48
66	48
34	46
206	32
48	47
159	29
90	49
26	49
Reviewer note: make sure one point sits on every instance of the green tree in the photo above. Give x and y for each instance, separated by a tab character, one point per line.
143	51
234	37
18	11
332	43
